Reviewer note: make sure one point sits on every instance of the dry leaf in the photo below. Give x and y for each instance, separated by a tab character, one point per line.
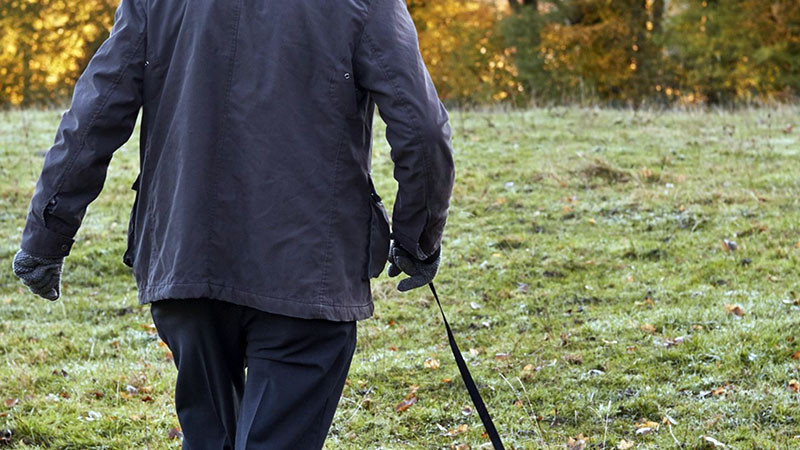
577	443
11	402
794	386
796	355
431	363
648	328
645	427
410	399
574	359
625	445
463	428
528	372
734	309
174	433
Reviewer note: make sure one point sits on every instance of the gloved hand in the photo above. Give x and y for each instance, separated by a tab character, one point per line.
421	272
41	275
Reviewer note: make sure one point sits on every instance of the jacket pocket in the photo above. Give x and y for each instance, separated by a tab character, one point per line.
127	258
379	235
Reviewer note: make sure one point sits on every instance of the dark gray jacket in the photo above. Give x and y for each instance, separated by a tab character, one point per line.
255	150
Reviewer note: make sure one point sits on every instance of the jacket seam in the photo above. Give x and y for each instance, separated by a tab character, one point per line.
96	114
362	31
422	143
213	180
331	208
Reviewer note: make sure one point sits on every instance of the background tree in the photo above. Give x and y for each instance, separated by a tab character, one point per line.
45	44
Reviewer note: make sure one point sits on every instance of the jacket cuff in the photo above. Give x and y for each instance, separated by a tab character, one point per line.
39	241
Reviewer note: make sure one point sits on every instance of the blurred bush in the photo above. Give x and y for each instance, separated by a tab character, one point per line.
45	44
620	52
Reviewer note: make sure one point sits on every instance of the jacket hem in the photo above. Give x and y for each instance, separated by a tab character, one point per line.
268	304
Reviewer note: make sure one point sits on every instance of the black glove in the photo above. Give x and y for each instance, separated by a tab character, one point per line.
421	272
41	275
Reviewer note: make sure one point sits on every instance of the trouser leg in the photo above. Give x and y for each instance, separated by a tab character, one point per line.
296	370
206	343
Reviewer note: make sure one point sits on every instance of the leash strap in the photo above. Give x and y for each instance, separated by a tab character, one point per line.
474	394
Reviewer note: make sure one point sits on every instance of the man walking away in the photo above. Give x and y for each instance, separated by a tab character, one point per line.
254	230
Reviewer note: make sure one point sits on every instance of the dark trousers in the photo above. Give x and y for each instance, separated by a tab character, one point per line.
296	370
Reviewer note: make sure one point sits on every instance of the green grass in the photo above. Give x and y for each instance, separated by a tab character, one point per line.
580	244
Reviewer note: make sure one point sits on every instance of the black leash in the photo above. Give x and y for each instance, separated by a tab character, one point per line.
468	381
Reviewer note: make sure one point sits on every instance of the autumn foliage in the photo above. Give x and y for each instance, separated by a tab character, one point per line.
483	51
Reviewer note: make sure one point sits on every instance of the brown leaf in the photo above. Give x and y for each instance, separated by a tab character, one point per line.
648	328
410	399
574	359
796	355
734	309
174	433
794	386
406	403
11	402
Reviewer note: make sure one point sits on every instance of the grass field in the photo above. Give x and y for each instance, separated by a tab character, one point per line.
585	271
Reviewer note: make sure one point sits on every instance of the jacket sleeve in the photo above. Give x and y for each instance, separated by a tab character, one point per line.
105	104
388	64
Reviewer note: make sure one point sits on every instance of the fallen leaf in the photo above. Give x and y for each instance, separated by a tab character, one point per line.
528	372
734	309
431	363
794	386
410	399
463	428
625	445
577	443
574	359
501	356
646	427
174	433
796	355
11	402
648	328
147	399
673	342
